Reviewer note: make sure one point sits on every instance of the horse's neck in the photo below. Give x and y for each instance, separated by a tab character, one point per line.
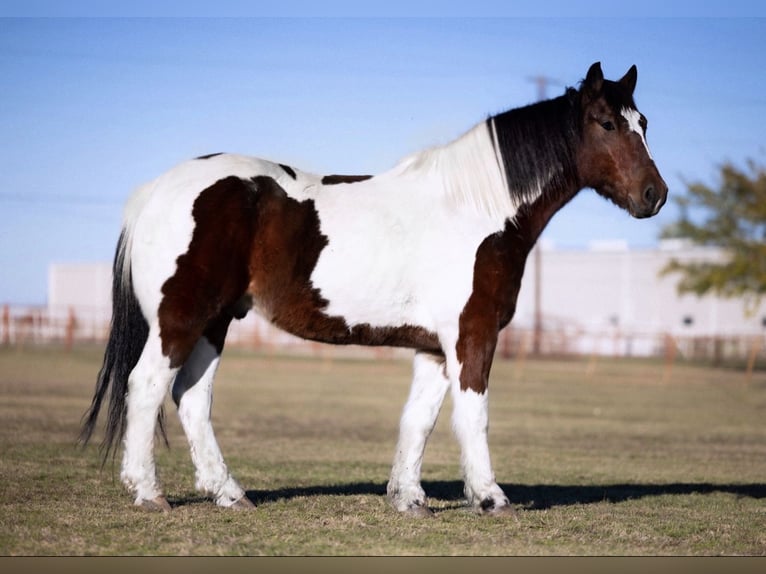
538	145
518	165
532	218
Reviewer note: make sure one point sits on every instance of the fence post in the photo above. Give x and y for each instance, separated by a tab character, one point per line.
71	324
755	346
717	351
6	325
521	355
670	357
505	343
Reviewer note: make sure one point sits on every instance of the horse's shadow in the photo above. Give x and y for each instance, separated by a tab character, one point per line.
529	496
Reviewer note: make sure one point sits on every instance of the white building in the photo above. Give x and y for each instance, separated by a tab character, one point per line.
85	287
611	295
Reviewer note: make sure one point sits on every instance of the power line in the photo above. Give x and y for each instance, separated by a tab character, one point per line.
10	197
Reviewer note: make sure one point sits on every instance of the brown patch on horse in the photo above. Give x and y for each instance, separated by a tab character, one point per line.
211	277
409	336
253	245
283	253
498	270
336	179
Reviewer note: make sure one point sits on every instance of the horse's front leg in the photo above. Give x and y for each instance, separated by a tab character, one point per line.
468	370
429	385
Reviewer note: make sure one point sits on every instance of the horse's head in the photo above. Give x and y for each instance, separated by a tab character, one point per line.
614	158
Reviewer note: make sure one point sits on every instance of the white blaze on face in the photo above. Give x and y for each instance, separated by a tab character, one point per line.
633	118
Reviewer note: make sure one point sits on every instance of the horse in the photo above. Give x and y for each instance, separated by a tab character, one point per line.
427	256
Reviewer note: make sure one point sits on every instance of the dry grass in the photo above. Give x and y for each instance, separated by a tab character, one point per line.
612	463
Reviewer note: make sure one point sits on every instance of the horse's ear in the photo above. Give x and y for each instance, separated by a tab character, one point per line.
628	81
594	79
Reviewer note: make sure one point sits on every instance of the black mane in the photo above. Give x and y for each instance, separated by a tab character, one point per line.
538	142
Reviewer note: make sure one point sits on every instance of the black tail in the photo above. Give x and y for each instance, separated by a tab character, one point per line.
127	337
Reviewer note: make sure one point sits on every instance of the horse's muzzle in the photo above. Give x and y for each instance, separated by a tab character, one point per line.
652	199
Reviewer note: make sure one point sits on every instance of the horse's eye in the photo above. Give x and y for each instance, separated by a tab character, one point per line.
607	125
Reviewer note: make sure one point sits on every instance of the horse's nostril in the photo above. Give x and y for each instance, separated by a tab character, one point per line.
650	195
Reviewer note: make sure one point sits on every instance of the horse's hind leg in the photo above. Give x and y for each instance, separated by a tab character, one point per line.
429	385
147	385
193	393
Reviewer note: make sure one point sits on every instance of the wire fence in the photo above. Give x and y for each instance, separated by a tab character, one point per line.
27	326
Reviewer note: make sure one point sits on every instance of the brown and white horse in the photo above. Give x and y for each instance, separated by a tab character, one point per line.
428	256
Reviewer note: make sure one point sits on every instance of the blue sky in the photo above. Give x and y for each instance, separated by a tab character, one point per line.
91	108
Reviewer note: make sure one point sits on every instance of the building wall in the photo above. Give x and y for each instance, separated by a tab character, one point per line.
612	291
86	287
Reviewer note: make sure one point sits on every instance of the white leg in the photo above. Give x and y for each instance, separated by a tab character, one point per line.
470	422
193	392
429	385
147	385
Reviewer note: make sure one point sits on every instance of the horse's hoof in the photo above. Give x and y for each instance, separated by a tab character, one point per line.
506	511
243	503
418	511
157	504
488	507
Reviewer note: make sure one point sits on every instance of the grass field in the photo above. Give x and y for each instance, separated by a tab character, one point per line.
616	460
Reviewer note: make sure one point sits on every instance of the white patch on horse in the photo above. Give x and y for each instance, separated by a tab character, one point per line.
633	118
498	155
470	173
403	250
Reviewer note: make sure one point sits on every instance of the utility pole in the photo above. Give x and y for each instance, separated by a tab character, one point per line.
542	85
537	334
